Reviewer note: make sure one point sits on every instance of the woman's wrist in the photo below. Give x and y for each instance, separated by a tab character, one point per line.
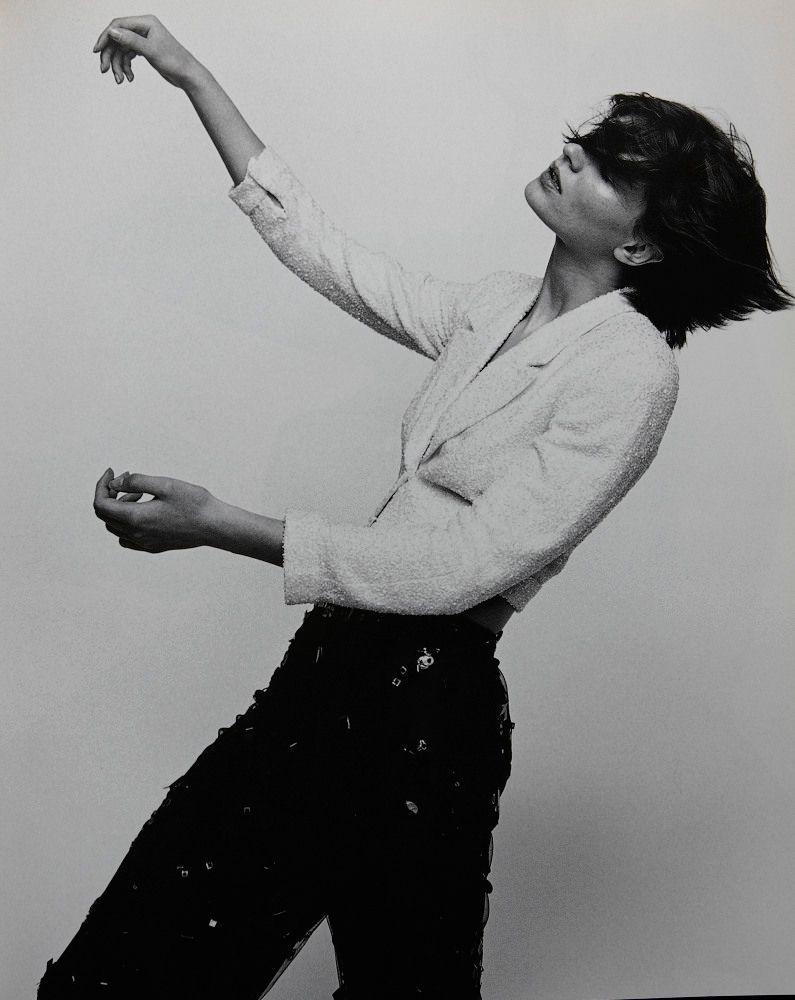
243	532
195	76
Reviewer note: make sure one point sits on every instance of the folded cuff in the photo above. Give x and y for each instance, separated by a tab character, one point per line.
266	175
305	540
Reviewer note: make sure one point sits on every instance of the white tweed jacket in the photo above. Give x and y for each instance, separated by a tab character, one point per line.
504	469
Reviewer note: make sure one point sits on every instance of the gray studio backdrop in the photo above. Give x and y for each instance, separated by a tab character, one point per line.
646	833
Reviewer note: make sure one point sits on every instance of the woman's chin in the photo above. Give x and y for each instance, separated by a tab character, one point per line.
531	192
536	197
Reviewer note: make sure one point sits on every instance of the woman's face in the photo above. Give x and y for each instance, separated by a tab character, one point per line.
590	215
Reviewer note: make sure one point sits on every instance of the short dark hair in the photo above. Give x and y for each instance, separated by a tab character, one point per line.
704	208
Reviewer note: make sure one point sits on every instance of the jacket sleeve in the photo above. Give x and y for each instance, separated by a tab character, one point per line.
414	309
601	439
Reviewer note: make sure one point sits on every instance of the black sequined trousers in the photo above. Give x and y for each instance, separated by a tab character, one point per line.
362	786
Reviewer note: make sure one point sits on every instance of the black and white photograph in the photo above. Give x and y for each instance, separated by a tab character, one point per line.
399	471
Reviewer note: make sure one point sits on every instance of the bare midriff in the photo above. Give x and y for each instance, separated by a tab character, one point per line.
493	614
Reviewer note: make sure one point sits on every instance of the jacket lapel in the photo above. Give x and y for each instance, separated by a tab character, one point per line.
465	393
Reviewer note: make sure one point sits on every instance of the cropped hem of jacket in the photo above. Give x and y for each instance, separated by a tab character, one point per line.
504	468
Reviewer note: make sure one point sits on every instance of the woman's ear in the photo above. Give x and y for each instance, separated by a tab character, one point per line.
635	254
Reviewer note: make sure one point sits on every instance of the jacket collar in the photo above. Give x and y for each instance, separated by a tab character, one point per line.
464	393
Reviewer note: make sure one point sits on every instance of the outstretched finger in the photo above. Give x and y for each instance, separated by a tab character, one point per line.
137	482
127	65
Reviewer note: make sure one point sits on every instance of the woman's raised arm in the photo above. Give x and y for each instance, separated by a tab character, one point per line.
414	309
127	37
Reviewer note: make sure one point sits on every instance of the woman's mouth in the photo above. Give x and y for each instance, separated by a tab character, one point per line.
550	175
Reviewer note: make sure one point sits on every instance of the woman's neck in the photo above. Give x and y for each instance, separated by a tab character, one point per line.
570	282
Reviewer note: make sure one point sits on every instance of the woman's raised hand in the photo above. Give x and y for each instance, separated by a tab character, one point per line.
128	37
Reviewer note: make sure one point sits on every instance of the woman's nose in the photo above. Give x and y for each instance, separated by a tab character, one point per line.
575	154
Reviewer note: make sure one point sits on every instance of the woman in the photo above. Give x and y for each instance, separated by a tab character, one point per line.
363	785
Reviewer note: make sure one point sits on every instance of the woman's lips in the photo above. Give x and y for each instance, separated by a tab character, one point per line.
547	179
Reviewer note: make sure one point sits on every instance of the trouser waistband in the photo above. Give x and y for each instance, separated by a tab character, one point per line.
449	625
